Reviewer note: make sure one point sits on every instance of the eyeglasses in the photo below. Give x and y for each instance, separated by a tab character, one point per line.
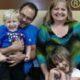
26	17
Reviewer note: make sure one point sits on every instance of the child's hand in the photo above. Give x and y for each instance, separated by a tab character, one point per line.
27	57
64	76
47	76
2	58
55	74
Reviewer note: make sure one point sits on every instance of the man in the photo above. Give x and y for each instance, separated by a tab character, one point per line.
28	12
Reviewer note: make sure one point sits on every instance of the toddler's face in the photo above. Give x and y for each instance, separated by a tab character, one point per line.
12	23
64	66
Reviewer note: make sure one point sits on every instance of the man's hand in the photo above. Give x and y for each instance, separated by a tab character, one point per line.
2	58
15	59
16	46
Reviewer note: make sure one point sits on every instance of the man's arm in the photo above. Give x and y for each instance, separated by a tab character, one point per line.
16	46
16	58
6	50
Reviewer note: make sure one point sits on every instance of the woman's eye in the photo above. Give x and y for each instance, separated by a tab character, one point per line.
56	8
63	9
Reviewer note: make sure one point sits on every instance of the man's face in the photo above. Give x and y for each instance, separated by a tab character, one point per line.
26	16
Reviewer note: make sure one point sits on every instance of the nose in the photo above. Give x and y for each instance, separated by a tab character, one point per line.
11	23
24	19
59	11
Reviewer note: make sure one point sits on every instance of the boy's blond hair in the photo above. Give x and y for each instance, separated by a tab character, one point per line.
10	13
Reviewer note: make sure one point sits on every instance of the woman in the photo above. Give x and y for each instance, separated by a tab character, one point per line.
58	29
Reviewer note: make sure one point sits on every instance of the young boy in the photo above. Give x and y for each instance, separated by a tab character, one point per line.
11	34
64	70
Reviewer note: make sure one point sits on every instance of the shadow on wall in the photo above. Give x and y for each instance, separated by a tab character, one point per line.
39	19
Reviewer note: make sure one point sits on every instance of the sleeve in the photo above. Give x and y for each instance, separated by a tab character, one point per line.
42	38
31	36
76	29
43	35
75	50
75	73
41	59
2	32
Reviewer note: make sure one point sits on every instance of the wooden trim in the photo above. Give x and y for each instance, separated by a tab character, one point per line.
41	4
15	4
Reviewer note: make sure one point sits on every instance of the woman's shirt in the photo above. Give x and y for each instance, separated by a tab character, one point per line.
48	41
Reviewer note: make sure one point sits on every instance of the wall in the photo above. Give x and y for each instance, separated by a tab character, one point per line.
41	4
41	14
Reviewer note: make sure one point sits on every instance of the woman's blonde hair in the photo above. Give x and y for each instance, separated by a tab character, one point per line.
48	17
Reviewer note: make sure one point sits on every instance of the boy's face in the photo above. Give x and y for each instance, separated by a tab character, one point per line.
64	66
12	23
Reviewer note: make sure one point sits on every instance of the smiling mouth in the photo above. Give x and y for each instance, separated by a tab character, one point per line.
22	22
59	15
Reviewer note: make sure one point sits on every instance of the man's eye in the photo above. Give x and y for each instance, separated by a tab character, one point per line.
22	15
8	21
14	21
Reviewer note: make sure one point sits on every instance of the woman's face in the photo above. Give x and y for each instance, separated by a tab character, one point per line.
59	12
